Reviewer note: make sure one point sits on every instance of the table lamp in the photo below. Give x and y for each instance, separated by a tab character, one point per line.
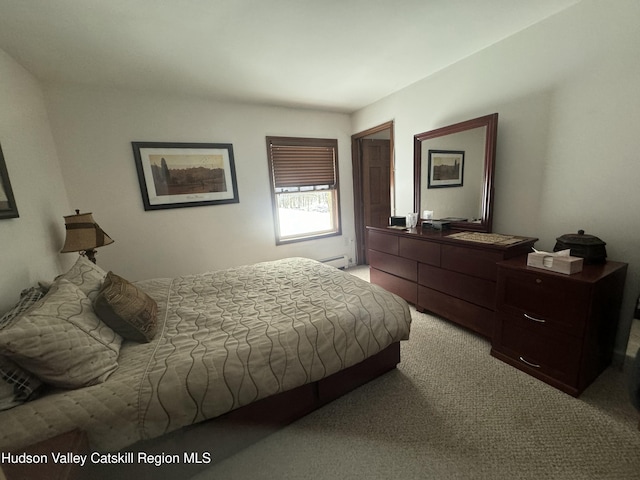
84	235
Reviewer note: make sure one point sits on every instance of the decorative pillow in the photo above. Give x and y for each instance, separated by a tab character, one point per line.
16	385
126	309
86	275
7	396
61	340
28	298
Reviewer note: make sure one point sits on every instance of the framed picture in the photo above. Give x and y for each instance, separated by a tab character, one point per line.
8	208
446	168
174	175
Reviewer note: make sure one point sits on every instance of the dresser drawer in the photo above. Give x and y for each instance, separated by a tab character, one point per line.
424	252
560	303
401	287
471	289
401	267
383	242
471	261
555	355
471	316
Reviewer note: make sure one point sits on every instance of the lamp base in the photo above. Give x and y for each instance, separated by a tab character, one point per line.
90	254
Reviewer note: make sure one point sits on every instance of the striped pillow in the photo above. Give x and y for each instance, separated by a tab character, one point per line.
28	297
16	384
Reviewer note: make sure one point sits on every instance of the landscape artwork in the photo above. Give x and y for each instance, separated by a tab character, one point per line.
175	175
187	174
446	168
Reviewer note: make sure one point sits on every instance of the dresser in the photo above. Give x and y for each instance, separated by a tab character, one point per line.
437	271
558	328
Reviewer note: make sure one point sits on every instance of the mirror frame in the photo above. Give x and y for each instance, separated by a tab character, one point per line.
491	124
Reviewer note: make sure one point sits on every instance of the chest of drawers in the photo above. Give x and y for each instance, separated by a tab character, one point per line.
558	328
452	278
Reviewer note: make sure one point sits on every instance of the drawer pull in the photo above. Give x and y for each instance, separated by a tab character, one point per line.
534	365
539	320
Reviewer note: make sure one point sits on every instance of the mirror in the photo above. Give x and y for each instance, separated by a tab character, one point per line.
453	173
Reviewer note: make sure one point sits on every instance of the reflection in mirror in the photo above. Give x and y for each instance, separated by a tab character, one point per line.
450	198
453	168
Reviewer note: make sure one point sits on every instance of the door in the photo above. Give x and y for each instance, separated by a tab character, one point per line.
372	157
376	187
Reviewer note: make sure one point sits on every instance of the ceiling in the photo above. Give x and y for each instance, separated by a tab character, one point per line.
338	55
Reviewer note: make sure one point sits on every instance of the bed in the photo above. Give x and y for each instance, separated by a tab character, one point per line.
233	345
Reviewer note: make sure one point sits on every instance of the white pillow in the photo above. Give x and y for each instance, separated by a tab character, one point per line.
61	340
86	275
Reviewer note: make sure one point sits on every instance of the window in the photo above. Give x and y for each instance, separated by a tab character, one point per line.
304	188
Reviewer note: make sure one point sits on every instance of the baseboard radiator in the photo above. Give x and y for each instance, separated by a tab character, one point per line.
338	261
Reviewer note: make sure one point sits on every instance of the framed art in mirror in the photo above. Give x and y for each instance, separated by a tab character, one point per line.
8	207
459	155
174	175
446	168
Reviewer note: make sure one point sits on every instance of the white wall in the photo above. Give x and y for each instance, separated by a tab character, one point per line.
29	244
568	154
94	129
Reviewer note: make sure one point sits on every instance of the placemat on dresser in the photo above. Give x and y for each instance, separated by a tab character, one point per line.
489	238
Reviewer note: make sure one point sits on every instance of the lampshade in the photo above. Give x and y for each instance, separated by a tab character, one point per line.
83	233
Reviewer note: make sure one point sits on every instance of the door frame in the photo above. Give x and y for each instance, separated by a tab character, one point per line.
358	200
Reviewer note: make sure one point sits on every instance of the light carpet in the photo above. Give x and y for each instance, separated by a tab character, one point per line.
451	411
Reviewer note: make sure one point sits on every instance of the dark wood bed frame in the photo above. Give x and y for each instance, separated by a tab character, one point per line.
223	436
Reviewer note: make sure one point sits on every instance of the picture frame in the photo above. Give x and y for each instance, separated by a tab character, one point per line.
446	168
8	207
177	175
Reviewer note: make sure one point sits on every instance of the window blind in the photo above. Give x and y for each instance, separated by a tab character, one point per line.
299	163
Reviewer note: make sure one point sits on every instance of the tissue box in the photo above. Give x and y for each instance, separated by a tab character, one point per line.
556	263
